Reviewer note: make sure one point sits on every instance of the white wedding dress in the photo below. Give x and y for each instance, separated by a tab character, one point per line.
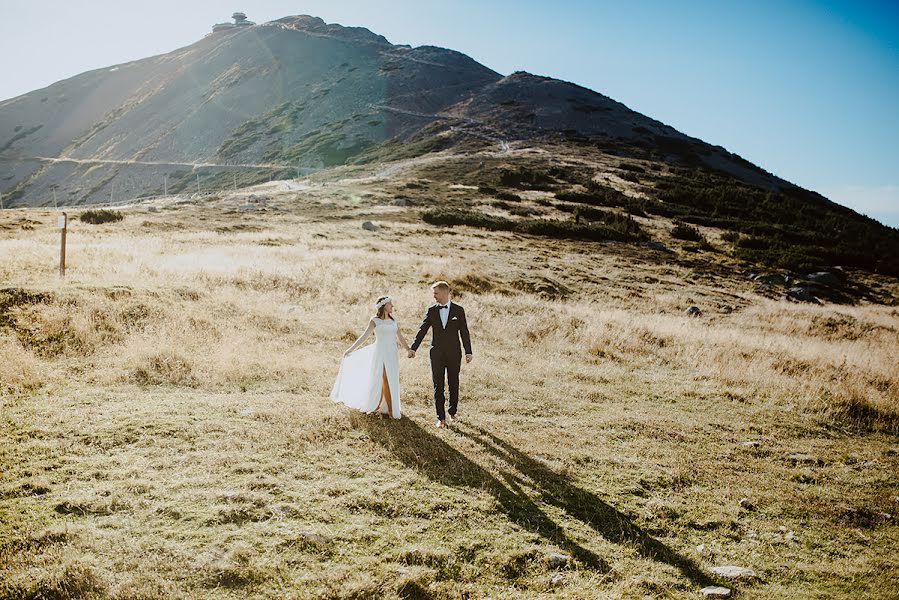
359	381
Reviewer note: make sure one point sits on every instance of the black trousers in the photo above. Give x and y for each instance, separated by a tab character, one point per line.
445	364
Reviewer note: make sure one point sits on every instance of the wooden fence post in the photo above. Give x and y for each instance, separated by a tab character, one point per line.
63	223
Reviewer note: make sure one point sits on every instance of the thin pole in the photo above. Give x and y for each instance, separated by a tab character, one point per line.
165	185
198	183
111	188
235	181
54	198
63	222
1	201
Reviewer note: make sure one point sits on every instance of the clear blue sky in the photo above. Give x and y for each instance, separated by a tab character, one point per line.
806	89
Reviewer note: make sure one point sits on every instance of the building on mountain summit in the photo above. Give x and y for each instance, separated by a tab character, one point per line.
240	20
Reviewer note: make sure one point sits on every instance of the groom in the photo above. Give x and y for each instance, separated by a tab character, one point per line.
448	321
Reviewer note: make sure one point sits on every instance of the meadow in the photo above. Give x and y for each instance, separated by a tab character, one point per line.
167	430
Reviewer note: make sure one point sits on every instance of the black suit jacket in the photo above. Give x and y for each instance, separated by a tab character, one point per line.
445	339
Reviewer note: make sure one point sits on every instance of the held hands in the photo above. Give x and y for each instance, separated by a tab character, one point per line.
411	353
468	358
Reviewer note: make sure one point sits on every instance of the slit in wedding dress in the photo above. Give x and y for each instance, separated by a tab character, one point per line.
388	395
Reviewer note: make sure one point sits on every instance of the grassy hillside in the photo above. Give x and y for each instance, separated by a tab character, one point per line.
595	182
167	429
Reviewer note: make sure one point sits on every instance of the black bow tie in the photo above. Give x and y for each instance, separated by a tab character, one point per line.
442	306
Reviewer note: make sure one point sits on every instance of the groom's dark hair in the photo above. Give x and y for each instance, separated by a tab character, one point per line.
441	285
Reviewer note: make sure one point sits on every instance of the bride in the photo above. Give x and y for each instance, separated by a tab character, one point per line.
369	379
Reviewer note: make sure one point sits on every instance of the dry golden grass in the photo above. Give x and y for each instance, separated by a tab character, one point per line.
167	429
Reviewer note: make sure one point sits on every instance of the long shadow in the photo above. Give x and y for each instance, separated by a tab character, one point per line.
585	506
431	456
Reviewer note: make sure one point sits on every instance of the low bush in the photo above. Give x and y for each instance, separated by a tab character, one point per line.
596	195
731	237
502	195
607	227
96	216
526	178
789	228
682	231
600	195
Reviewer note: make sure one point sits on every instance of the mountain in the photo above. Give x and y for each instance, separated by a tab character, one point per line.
295	92
298	93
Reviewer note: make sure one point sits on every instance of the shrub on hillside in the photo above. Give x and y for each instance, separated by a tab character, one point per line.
596	195
463	216
526	178
96	216
682	231
600	195
502	195
608	227
789	228
731	237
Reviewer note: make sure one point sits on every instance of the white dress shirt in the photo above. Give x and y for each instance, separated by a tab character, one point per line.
444	314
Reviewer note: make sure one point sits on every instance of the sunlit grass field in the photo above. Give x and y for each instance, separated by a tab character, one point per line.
167	430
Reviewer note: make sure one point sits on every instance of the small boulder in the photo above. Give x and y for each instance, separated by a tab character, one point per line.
715	591
801	294
734	572
693	311
752	444
802	458
824	277
772	279
746	504
655	245
400	201
369	226
312	538
557	561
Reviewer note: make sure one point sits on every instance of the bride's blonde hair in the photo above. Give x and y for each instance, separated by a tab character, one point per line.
382	310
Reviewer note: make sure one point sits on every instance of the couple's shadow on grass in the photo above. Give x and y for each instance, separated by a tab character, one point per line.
428	454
